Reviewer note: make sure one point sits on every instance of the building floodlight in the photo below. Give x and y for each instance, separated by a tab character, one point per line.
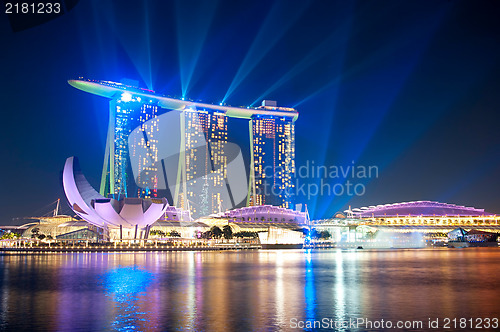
126	97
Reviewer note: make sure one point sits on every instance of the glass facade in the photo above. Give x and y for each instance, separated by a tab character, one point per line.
118	179
82	234
147	178
205	135
274	160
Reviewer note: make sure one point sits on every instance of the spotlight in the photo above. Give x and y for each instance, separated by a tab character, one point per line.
126	97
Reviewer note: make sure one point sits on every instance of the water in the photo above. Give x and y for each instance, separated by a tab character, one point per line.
267	290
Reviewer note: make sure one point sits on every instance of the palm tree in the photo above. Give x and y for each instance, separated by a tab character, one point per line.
216	232
228	232
34	232
174	233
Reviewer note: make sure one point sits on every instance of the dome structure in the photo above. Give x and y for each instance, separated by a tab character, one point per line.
98	210
418	208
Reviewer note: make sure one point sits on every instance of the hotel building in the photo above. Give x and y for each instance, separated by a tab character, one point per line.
273	156
159	146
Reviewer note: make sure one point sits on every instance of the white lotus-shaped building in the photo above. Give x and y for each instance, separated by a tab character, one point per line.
87	203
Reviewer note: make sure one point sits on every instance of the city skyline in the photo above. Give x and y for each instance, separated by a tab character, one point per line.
221	165
408	87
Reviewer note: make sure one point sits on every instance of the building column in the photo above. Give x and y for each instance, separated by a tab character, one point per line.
252	192
108	176
181	169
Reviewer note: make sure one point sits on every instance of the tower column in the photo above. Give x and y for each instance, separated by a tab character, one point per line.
252	192
181	169
108	176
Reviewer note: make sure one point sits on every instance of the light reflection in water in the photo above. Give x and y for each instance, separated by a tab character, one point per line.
280	293
243	291
126	285
198	283
309	289
339	288
190	293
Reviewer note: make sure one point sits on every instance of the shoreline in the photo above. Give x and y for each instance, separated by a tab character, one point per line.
157	249
124	249
106	249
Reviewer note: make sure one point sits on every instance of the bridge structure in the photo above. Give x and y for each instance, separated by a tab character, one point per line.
432	227
416	216
417	222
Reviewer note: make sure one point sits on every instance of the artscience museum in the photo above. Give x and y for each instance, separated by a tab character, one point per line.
136	214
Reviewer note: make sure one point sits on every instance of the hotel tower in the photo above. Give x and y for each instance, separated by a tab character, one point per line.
159	146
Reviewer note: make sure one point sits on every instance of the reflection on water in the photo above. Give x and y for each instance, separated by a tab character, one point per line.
339	289
243	291
309	290
126	285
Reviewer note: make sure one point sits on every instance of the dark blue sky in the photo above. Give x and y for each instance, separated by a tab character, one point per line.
408	86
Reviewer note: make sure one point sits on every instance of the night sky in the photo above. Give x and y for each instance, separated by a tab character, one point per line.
411	87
